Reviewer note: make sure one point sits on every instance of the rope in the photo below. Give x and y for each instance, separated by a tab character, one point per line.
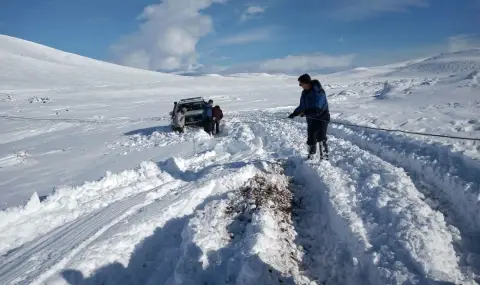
81	121
335	122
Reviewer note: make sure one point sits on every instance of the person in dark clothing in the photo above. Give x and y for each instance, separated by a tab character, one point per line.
217	116
314	106
208	117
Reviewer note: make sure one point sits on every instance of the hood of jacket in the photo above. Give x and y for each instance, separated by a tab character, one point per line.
316	87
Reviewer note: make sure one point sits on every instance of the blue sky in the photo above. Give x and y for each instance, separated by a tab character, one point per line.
246	36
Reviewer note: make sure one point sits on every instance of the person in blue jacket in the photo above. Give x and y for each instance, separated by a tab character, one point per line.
314	106
208	117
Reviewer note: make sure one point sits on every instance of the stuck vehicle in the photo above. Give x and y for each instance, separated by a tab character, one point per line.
194	107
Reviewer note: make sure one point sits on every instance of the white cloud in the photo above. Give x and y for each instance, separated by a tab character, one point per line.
463	42
256	35
294	64
376	56
251	11
255	10
167	38
353	10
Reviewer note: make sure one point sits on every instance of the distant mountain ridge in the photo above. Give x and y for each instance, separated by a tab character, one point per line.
45	67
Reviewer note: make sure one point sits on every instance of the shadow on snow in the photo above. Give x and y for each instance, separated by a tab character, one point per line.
163	259
149	131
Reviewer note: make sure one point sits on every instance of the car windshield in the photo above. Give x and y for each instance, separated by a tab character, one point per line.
194	106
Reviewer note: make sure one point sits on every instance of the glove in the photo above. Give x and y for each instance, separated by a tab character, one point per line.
291	116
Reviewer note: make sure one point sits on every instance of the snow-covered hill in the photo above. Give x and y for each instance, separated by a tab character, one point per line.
96	189
25	64
443	65
447	64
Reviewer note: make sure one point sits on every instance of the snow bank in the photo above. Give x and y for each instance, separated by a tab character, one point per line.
21	224
473	77
246	238
156	137
147	247
383	220
453	177
376	210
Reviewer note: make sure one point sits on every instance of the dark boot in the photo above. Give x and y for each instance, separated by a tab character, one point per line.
325	147
312	150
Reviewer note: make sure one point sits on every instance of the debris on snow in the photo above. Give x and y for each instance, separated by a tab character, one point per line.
15	159
38	100
8	97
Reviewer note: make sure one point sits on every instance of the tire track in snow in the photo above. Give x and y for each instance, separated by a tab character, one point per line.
47	253
148	242
457	177
68	203
40	258
326	245
449	181
404	238
219	163
385	220
326	259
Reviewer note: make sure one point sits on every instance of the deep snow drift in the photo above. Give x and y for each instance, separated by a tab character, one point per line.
96	189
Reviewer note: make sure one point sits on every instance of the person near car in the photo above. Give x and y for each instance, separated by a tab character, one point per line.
174	108
207	117
179	120
217	116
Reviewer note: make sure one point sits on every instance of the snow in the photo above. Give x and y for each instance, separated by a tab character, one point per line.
458	62
96	189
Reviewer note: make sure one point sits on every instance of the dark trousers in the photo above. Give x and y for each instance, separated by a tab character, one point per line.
317	132
208	125
216	127
178	129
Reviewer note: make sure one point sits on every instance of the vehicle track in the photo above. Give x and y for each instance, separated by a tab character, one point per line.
447	180
198	176
378	227
41	257
375	208
46	253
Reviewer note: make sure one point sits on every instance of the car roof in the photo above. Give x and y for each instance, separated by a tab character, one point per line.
191	100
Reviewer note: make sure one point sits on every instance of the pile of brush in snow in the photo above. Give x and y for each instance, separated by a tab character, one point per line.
268	189
263	207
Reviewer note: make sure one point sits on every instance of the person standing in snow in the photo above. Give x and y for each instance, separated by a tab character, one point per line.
179	120
217	116
208	117
314	106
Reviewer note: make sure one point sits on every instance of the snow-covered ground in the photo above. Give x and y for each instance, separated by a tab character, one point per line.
96	189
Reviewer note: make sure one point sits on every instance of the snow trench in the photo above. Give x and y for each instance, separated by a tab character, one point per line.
452	178
250	234
248	209
21	224
376	209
